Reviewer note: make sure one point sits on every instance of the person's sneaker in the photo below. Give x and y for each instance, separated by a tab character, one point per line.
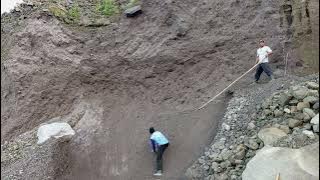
158	173
271	78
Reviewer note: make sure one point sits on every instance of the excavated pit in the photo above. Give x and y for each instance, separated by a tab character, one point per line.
112	83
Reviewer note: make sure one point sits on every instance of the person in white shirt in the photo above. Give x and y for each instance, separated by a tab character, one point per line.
262	59
159	143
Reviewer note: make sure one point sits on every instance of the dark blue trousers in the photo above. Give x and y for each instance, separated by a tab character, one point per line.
263	67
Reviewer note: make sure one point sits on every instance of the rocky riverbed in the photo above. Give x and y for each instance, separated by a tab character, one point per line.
279	114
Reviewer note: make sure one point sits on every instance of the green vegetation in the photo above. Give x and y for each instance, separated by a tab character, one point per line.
74	13
71	15
108	7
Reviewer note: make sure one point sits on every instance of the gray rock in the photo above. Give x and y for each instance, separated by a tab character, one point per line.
270	161
226	154
278	113
292	123
315	119
240	155
221	176
311	99
309	111
251	126
302	105
252	144
269	135
316	106
307	126
216	168
285	129
265	104
306	117
267	112
299	92
284	98
313	93
293	109
313	85
225	164
293	102
134	11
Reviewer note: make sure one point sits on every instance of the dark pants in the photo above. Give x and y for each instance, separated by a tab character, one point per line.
263	67
160	152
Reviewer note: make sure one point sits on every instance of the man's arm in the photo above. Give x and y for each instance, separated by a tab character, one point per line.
269	52
153	145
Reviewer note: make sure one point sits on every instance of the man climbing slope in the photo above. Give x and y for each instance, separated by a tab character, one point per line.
159	144
262	58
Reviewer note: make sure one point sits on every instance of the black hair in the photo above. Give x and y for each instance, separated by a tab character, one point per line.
151	130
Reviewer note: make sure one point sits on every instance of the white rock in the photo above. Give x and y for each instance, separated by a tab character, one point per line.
292	164
56	130
225	126
315	120
309	134
286	110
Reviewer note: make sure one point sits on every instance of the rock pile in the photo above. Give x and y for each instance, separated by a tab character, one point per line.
288	118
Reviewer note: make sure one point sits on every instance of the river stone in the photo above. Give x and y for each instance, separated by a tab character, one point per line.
269	135
315	128
302	105
292	123
310	112
311	99
313	85
270	161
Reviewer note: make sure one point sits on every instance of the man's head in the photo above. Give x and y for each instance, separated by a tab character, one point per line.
151	130
261	42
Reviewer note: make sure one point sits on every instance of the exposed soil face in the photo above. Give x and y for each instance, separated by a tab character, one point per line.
115	82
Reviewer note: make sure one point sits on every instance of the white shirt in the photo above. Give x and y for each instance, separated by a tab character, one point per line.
262	54
159	138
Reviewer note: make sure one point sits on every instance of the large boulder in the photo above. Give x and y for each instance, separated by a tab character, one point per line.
56	130
271	161
269	135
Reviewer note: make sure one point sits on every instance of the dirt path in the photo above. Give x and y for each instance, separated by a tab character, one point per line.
122	152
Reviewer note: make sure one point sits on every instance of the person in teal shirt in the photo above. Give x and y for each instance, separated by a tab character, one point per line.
159	144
